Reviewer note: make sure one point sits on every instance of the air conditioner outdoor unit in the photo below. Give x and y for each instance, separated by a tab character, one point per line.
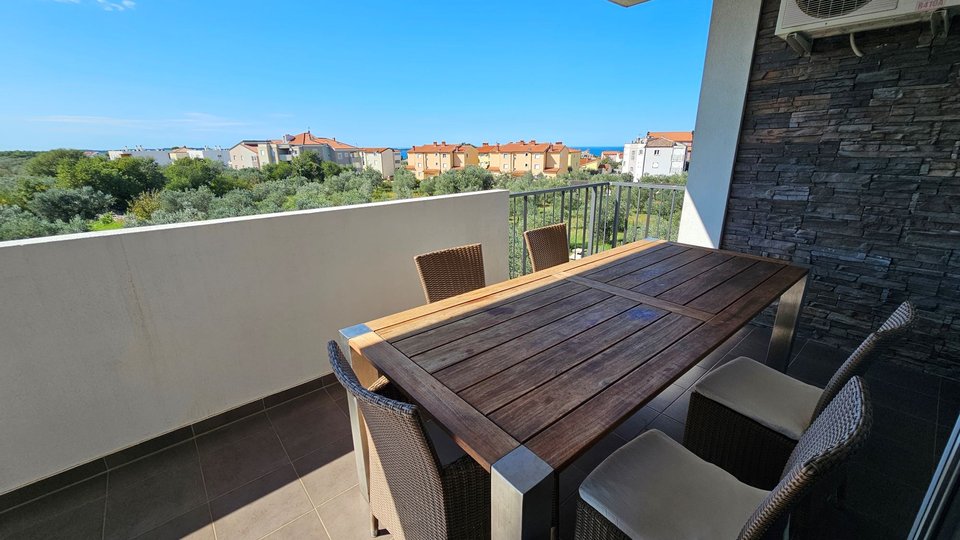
808	19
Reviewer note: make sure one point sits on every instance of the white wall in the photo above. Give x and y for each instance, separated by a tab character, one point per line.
726	71
109	339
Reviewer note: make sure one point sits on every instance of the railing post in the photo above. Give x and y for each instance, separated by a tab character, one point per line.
593	219
646	228
523	242
616	217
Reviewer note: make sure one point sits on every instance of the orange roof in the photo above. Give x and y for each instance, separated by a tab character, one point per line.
518	173
552	170
376	150
410	168
307	139
181	150
487	148
442	147
494	169
610	153
432	171
586	160
685	137
530	146
660	142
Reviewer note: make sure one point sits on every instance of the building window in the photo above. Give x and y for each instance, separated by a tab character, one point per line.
536	166
656	152
655	165
537	156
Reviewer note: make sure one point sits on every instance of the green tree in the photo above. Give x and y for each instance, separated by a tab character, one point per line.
66	204
124	178
472	178
47	163
330	168
277	171
17	223
308	165
20	190
404	183
190	173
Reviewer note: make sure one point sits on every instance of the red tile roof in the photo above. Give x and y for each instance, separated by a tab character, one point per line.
487	148
376	150
530	146
436	148
551	170
685	137
307	139
659	142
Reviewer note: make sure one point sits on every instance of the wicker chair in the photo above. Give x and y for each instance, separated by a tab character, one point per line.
548	246
746	417
411	494
653	487
450	272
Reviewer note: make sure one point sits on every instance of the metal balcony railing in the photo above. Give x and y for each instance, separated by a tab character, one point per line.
598	216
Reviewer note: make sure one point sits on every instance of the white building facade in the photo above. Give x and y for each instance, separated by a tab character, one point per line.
654	156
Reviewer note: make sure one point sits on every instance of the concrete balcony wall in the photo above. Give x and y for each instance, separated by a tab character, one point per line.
110	339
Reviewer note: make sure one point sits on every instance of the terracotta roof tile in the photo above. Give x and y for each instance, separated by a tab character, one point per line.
685	137
436	148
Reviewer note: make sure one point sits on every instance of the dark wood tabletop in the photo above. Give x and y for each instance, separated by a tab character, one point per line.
557	359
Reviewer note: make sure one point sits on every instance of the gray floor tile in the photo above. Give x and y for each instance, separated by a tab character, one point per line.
194	525
568	518
152	491
329	471
690	378
229	466
669	426
305	527
74	504
347	517
665	398
235	432
82	522
678	409
637	423
570	480
593	457
721	351
308	423
260	507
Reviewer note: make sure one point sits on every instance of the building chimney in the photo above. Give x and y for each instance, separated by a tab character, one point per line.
434	143
443	142
559	143
486	143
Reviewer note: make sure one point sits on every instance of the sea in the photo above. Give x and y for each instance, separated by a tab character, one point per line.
595	150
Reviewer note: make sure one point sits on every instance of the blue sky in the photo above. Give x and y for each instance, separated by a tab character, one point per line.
104	74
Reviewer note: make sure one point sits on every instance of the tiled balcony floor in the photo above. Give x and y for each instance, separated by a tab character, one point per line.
289	472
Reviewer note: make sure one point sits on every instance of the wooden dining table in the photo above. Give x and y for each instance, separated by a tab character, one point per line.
526	375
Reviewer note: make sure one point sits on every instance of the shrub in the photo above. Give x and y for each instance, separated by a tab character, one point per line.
66	204
144	205
47	163
17	223
20	190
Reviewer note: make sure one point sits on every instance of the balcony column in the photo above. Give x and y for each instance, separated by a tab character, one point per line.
367	374
726	72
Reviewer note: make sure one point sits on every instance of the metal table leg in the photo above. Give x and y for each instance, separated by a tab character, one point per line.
785	325
366	374
521	494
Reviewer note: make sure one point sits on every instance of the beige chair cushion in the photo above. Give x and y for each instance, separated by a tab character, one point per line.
653	487
759	392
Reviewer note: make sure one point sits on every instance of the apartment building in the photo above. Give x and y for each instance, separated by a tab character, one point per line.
165	156
160	155
386	161
291	146
654	155
214	154
519	158
431	160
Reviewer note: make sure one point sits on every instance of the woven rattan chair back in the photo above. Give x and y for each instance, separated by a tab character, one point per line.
836	433
408	460
548	246
450	272
858	362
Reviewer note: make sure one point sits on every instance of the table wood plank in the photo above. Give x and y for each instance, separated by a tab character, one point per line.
538	409
642	298
633	263
656	270
470	429
694	287
562	442
491	394
455	351
685	273
441	334
475	299
729	291
488	363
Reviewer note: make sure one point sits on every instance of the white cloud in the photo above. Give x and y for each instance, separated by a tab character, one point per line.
189	121
120	5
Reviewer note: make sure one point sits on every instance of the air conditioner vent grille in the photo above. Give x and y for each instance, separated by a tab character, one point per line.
825	9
